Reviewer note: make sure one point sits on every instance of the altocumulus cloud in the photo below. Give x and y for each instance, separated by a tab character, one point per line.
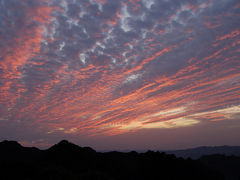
105	67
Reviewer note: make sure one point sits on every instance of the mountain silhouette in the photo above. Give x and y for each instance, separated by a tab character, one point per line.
65	146
67	161
196	153
12	150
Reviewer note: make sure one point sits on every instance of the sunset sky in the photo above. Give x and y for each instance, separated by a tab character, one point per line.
120	74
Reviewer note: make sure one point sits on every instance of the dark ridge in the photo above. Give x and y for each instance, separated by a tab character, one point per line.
66	160
13	151
9	145
196	153
66	146
230	165
14	145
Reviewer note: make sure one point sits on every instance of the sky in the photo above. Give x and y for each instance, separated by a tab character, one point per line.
120	74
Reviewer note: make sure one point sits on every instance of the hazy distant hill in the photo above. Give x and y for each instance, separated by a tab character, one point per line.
67	161
196	153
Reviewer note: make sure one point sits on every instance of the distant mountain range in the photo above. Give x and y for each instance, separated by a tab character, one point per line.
67	161
196	153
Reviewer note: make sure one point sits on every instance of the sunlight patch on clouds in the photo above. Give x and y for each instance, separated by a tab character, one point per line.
143	123
132	126
173	123
148	3
222	114
132	78
124	19
230	110
61	46
96	117
82	13
72	22
55	130
71	131
50	32
101	45
100	7
166	113
82	57
3	119
64	5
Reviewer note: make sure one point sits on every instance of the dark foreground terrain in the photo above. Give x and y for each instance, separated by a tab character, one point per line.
71	162
196	153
